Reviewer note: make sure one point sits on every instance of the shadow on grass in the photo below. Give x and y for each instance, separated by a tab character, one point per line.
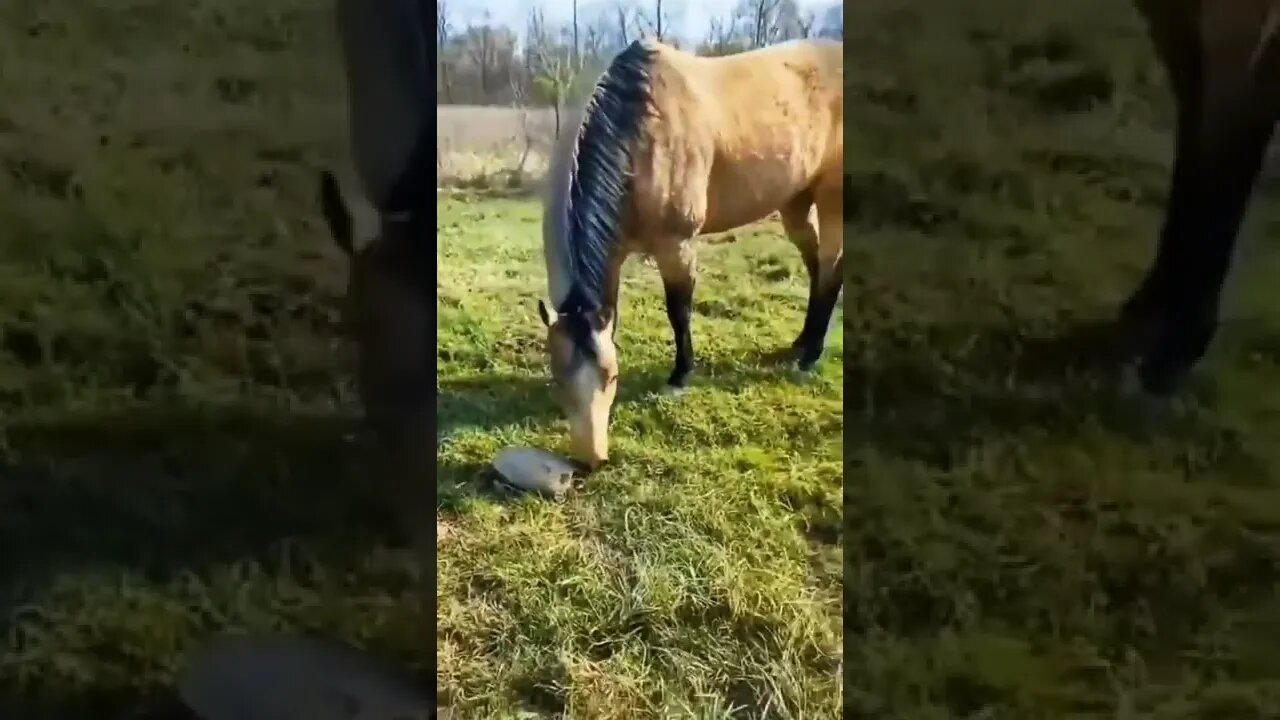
461	482
508	398
494	400
481	189
176	489
955	385
127	704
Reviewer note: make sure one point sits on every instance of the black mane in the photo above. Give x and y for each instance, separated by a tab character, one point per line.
599	180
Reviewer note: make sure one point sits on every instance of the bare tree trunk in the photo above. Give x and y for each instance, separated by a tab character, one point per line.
624	36
658	21
442	49
577	59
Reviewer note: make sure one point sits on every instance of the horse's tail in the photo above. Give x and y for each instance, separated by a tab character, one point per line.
336	214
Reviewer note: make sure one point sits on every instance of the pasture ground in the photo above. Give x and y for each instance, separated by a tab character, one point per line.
1022	542
172	406
1019	542
701	569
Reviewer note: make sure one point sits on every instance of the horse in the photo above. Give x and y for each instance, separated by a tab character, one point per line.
387	312
1222	60
390	299
670	146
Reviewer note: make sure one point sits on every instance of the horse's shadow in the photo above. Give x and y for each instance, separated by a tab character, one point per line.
1010	381
165	490
509	399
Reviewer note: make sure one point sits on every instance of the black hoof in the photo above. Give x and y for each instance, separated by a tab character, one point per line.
781	356
1164	345
1162	379
1142	411
678	380
1135	335
807	363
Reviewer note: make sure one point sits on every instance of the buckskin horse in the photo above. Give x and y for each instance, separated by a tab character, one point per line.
1222	59
672	146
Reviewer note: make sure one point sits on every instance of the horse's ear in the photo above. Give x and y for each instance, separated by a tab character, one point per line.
548	317
336	214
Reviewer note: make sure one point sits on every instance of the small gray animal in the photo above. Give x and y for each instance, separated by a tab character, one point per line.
536	470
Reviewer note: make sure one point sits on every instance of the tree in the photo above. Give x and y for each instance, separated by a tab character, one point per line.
656	23
484	62
723	37
553	81
805	22
442	42
552	67
577	59
769	21
832	22
623	23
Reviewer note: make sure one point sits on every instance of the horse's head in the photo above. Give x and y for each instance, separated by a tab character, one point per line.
386	315
584	377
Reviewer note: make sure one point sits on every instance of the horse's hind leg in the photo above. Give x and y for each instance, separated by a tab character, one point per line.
678	265
828	280
800	221
1226	117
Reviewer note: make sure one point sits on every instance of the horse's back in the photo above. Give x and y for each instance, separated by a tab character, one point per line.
734	137
804	75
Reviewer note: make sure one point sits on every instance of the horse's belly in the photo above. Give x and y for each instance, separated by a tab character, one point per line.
744	192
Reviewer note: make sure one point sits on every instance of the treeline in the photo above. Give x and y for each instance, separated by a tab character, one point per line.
549	64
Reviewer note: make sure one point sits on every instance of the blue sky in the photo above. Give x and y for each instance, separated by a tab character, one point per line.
690	18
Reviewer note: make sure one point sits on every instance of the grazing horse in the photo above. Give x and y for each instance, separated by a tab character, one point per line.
1222	58
670	146
390	298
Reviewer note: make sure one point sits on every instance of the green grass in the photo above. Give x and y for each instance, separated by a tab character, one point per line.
1019	541
699	571
172	408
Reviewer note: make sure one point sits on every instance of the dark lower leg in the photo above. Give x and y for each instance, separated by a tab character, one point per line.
822	305
1181	296
811	264
1156	284
1177	230
679	309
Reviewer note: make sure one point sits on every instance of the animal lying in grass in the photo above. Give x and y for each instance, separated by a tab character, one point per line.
672	146
1223	63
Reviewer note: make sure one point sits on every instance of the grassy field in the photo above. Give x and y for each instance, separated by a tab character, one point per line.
1018	540
480	147
701	569
172	405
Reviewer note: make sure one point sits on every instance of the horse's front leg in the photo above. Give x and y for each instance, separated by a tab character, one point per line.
678	267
